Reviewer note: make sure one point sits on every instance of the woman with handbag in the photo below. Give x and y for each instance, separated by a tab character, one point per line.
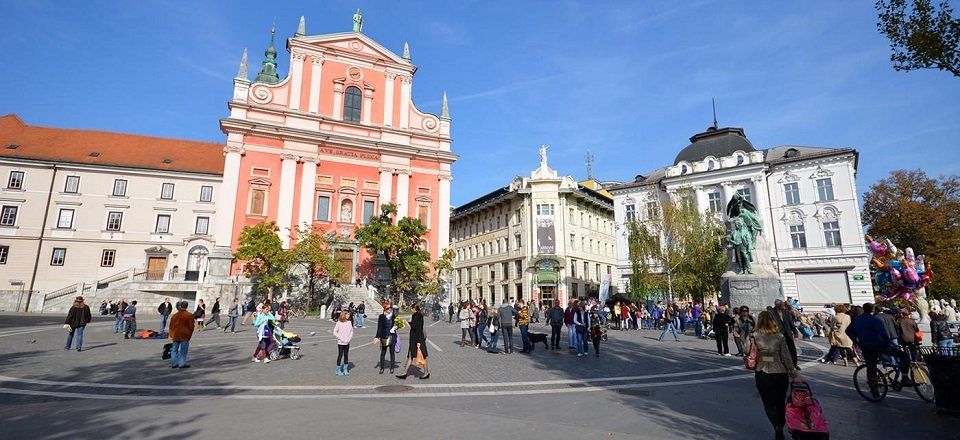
743	327
77	319
772	368
386	336
418	345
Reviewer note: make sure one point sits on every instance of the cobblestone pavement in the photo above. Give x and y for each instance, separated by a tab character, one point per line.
637	388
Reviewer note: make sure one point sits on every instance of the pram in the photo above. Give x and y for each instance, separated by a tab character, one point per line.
805	415
284	345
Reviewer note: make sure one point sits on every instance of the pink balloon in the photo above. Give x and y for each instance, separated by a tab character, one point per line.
895	274
911	275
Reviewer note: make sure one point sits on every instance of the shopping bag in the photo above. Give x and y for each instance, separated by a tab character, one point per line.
421	361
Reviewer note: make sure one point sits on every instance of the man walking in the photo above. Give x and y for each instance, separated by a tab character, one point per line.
669	324
165	309
181	329
121	306
507	313
450	312
555	319
568	321
130	320
251	308
215	313
788	327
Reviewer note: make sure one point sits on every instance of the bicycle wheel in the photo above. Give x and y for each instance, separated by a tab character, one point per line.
870	392
921	379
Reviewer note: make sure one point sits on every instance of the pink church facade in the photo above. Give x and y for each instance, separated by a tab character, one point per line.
325	146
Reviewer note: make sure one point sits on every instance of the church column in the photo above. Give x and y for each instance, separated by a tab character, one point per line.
308	181
315	84
388	99
405	82
296	74
403	193
227	199
443	236
367	105
288	174
337	101
700	195
386	185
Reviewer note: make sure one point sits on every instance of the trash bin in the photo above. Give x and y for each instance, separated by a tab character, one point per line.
944	369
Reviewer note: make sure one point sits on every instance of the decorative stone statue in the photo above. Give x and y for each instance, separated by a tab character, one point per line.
543	155
935	305
923	307
745	230
358	21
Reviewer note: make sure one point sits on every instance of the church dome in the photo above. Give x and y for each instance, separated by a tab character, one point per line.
716	142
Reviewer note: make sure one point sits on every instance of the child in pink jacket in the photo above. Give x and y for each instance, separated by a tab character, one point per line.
343	330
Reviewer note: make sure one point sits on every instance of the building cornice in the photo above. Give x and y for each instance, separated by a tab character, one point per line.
106	168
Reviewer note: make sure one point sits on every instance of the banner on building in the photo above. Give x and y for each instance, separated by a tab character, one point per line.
604	288
546	234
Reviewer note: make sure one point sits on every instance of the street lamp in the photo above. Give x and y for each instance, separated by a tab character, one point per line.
17	282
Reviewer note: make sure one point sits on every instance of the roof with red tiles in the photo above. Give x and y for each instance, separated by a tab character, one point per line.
92	147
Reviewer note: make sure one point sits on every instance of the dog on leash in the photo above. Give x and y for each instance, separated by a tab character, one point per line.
536	338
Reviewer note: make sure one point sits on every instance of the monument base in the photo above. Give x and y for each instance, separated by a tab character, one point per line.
755	291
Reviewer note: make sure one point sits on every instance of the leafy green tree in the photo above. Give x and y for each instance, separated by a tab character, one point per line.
263	256
914	210
680	251
922	36
441	268
401	243
313	254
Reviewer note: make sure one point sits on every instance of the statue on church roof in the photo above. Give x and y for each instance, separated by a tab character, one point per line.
543	155
358	21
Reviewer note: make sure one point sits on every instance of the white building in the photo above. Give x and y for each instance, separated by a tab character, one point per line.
806	197
545	237
86	211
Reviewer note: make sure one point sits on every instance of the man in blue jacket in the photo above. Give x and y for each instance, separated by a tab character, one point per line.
868	331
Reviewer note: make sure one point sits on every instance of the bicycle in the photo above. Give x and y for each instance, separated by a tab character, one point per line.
888	376
297	313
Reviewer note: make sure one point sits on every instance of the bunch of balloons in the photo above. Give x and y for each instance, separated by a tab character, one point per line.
899	273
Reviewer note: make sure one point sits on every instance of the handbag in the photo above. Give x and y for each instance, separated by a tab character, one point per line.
753	355
421	361
397	347
918	335
67	327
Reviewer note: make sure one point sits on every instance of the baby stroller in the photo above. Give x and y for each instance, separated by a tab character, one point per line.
805	419
284	345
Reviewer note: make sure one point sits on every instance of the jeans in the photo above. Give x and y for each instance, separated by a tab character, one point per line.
79	332
669	328
944	347
581	339
492	347
117	326
129	327
525	338
359	320
232	324
507	339
773	393
555	335
480	336
178	353
698	328
163	322
723	342
571	336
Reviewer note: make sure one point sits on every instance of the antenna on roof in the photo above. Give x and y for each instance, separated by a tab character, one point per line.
589	161
715	126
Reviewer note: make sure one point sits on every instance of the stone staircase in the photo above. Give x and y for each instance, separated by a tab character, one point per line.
356	295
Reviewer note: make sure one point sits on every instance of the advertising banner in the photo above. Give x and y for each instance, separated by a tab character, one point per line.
546	234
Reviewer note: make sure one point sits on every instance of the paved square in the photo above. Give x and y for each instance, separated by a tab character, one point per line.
638	388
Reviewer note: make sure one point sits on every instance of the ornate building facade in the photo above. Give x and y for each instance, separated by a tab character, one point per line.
325	146
806	198
545	237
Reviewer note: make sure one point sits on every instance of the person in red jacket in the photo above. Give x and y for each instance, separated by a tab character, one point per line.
181	329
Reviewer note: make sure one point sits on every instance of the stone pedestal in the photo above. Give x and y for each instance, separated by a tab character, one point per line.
754	291
218	264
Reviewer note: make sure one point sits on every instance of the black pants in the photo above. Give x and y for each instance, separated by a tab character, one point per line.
773	393
507	334
792	347
555	335
723	342
384	350
343	352
596	345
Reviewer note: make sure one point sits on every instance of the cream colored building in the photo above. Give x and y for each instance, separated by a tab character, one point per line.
89	211
545	237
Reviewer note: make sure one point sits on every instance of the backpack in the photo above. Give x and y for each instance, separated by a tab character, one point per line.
197	314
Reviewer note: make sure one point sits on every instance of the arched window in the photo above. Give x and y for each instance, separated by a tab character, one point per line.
352	100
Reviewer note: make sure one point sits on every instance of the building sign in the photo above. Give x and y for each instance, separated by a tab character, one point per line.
858	277
347	153
546	232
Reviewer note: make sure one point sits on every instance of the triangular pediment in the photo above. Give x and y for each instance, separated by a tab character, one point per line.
349	43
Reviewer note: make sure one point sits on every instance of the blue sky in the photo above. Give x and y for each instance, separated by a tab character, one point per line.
630	81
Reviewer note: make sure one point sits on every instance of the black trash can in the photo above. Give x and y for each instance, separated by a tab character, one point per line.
944	366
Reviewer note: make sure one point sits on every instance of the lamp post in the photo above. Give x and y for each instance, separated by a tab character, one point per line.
17	282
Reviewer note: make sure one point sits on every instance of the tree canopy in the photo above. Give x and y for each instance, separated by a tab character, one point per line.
263	256
914	210
312	253
401	243
680	251
922	35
